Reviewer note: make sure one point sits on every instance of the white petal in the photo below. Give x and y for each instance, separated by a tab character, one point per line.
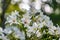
24	6
48	9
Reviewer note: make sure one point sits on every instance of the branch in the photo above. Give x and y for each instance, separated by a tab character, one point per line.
4	7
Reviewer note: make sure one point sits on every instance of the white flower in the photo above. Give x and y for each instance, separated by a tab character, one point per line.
46	18
26	19
15	13
51	31
48	9
38	4
8	30
40	19
58	30
33	28
41	25
14	1
24	6
1	30
59	38
44	0
38	33
18	33
12	19
48	23
53	27
35	24
3	37
44	32
25	1
30	30
29	34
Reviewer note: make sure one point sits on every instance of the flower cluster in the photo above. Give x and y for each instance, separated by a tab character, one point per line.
30	26
33	25
11	33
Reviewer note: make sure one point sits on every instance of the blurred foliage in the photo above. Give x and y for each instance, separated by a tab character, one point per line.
12	8
55	18
49	37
